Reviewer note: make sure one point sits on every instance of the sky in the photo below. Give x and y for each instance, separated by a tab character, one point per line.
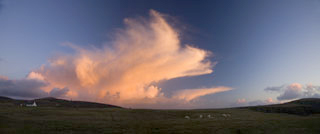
161	53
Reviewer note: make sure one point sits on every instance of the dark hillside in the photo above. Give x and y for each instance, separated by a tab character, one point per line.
305	106
53	102
2	98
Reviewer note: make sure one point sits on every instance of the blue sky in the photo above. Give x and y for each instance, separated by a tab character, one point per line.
256	44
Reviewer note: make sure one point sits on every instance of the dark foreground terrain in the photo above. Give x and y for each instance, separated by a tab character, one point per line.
302	107
73	120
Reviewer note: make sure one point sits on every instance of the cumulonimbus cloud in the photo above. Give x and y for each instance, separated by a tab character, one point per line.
146	51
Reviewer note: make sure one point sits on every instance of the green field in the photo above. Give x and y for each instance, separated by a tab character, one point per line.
60	120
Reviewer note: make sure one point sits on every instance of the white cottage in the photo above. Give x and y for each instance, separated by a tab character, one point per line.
32	105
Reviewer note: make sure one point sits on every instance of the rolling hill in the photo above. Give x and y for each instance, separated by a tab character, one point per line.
53	102
55	116
304	106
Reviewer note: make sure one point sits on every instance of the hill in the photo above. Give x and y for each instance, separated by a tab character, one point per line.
305	106
2	98
54	102
63	120
50	118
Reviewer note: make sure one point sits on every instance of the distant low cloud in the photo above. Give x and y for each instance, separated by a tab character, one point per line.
26	88
274	89
261	102
295	91
57	92
21	88
3	77
242	101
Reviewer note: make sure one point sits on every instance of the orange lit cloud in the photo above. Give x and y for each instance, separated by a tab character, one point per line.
269	100
3	77
35	76
143	53
190	94
241	101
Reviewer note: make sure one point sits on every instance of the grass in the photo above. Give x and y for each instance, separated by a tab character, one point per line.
59	120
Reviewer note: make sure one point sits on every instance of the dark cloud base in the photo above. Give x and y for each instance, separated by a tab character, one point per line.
28	88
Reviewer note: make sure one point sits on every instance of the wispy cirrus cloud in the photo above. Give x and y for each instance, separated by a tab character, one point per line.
190	94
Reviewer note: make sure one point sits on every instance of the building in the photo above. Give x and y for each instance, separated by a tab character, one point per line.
32	105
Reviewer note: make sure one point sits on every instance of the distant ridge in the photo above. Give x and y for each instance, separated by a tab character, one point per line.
4	98
304	106
54	102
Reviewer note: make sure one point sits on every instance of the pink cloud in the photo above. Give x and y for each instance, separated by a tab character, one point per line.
190	94
241	101
295	91
124	71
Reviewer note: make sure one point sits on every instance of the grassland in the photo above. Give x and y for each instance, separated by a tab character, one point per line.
62	120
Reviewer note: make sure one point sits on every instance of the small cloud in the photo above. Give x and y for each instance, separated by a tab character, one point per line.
274	89
57	92
35	76
242	101
3	77
245	102
269	100
292	91
296	91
